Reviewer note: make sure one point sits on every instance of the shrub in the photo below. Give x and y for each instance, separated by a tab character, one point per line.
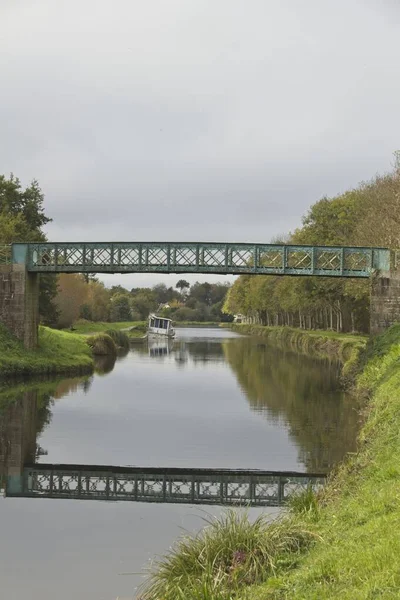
102	344
120	338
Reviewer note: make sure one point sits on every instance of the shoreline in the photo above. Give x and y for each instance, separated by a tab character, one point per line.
346	543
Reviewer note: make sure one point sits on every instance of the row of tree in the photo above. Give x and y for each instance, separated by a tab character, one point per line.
368	215
88	298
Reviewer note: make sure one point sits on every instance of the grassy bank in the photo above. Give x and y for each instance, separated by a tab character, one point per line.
343	544
87	327
58	352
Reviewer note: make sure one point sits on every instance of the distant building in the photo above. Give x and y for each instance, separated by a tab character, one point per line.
239	318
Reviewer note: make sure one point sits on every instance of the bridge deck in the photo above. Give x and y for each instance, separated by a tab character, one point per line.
193	486
188	257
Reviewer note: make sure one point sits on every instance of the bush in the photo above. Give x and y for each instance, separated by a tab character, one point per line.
120	338
102	344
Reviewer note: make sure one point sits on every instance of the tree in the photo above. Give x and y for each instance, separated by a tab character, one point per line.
71	295
120	309
98	304
21	220
182	285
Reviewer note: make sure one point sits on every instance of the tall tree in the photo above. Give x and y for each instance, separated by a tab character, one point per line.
22	218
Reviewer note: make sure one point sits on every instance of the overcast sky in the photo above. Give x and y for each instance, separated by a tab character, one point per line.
179	120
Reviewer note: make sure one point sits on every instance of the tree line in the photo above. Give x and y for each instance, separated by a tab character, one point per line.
88	298
368	215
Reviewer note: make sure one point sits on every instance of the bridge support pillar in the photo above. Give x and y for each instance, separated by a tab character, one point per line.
19	302
385	300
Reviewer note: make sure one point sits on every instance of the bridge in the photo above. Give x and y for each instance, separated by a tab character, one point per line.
22	263
169	485
187	257
21	476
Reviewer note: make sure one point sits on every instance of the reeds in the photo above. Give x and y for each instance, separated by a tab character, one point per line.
228	554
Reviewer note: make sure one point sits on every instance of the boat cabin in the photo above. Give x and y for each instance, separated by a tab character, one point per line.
160	326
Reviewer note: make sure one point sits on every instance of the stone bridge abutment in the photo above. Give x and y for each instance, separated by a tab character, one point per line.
19	302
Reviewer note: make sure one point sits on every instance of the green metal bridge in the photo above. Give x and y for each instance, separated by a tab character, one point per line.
168	485
199	257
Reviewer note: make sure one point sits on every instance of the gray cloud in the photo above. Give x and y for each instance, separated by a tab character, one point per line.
176	120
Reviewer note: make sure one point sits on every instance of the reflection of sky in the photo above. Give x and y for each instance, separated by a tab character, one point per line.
146	412
79	550
151	411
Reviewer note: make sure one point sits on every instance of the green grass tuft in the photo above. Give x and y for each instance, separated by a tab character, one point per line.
229	554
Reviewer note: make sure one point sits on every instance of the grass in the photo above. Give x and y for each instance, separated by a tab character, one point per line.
102	344
85	327
120	338
342	544
228	554
58	352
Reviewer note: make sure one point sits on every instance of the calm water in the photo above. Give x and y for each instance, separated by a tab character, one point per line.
209	399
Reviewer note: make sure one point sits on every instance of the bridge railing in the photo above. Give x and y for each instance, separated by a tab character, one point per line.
222	258
202	486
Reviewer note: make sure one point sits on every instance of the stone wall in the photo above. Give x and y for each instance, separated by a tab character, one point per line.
19	303
385	300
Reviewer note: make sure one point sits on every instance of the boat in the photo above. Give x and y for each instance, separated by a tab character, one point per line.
160	326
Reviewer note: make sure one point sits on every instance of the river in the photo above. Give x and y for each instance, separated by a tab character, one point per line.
209	399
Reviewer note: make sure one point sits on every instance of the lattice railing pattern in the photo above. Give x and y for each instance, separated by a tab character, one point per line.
254	488
179	257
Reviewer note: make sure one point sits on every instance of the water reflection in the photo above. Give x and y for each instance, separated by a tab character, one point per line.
286	389
210	400
300	392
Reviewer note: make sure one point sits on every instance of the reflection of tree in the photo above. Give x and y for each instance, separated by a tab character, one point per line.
104	364
25	411
300	392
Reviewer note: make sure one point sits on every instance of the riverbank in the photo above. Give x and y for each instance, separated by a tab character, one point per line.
342	544
83	327
178	324
58	352
322	344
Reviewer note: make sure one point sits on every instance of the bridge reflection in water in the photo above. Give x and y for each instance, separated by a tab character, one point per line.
169	485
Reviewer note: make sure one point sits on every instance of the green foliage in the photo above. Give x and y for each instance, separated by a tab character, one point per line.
27	203
22	218
358	515
120	337
58	352
225	557
102	344
120	307
366	216
84	327
182	284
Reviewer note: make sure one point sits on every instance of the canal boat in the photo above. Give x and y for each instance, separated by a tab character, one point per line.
159	326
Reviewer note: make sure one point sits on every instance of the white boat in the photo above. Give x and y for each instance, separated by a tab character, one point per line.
160	326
